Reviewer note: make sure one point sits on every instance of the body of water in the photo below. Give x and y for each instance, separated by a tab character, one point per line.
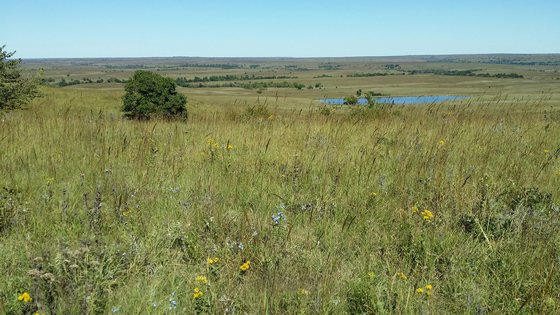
400	99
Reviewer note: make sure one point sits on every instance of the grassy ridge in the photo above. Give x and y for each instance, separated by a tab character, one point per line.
102	215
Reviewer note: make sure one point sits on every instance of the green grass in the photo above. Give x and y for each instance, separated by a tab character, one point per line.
98	212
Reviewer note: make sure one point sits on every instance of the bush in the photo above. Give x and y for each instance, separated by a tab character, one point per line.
350	100
149	94
15	90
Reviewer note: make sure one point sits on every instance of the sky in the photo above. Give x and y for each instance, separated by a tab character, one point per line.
282	28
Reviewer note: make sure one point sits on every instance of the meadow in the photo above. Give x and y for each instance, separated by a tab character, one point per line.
268	202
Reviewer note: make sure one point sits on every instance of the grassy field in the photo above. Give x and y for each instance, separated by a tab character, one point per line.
271	203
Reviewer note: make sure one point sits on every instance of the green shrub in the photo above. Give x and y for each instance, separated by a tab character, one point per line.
149	94
15	91
350	100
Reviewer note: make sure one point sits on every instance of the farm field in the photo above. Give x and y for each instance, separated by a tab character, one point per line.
266	201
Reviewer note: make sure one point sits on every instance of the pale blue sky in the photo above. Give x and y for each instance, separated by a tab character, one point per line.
290	28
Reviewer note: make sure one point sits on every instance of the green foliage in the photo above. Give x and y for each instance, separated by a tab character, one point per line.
182	81
468	73
350	100
149	94
15	91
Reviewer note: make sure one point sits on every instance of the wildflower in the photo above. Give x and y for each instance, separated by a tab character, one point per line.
201	279
425	290
39	313
25	297
197	293
402	276
302	292
245	266
374	194
172	302
212	144
276	218
414	209
229	147
427	215
235	246
441	142
212	261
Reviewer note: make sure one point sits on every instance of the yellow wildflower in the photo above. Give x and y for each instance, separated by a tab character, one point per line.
441	142
212	261
201	279
414	209
427	215
197	293
229	147
302	292
420	290
374	194
402	276
212	144
25	297
245	266
429	293
428	286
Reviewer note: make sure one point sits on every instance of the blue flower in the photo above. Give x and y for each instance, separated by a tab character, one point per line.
172	302
278	217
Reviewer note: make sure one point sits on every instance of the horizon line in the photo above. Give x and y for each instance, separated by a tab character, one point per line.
295	57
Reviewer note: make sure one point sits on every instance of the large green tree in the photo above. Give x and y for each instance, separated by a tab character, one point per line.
15	90
149	94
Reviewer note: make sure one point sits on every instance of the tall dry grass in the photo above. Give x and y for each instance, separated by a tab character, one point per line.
104	215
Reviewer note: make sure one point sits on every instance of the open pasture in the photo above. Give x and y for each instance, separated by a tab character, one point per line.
308	208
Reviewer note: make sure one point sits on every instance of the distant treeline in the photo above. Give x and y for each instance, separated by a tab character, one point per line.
212	65
185	65
295	68
198	82
182	80
136	66
369	74
504	61
63	82
247	85
524	63
468	73
329	66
